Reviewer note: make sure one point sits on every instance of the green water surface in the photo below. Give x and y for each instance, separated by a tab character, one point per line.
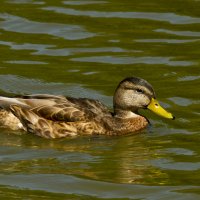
83	48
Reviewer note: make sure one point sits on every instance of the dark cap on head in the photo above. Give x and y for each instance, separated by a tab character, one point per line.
139	81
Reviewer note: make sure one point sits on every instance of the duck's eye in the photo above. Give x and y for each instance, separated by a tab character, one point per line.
139	91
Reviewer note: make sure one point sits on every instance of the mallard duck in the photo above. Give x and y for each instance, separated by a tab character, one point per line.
52	116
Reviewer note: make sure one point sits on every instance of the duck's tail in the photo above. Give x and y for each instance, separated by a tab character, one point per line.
6	102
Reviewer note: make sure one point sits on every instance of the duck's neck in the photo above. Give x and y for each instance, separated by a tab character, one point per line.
125	113
124	122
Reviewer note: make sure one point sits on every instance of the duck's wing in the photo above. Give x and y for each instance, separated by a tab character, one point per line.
90	105
58	108
42	96
82	103
72	110
60	112
55	116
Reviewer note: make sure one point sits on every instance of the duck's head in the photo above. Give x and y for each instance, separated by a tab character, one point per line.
135	93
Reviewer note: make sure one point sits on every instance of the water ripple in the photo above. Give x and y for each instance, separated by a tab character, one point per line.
188	78
71	51
133	60
83	2
22	25
181	151
26	46
186	166
18	85
67	184
168	17
11	154
26	2
26	62
170	41
45	49
179	33
183	101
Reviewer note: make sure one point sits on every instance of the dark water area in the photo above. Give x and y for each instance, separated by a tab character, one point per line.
83	49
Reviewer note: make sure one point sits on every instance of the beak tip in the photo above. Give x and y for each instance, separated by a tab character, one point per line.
173	118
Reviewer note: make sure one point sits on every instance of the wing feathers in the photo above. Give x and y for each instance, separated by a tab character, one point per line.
52	116
56	113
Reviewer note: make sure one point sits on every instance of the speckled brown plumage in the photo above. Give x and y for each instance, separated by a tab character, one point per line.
52	116
8	120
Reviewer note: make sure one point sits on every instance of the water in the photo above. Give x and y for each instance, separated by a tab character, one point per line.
83	49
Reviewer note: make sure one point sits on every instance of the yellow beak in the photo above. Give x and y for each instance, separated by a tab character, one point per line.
156	108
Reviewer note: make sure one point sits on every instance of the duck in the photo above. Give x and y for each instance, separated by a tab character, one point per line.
57	116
